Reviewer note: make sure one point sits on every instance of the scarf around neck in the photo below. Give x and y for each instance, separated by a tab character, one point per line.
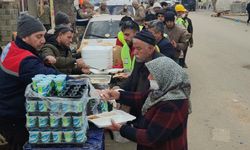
172	80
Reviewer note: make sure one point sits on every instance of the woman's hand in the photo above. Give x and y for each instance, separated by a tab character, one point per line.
115	126
109	94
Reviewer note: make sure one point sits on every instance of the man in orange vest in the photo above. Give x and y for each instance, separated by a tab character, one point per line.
128	31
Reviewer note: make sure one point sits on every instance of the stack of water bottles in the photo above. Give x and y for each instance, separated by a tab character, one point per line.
52	120
45	84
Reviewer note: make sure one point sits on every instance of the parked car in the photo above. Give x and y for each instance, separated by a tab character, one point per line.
101	31
103	27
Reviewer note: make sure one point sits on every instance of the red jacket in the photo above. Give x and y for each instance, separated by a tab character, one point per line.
18	65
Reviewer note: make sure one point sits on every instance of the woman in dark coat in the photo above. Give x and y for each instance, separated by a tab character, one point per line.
164	109
248	11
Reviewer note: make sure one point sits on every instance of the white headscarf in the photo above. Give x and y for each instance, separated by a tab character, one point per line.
172	80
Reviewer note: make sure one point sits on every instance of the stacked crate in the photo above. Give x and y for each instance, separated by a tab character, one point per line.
56	111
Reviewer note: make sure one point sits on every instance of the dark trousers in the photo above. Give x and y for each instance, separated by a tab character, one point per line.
248	17
15	133
182	61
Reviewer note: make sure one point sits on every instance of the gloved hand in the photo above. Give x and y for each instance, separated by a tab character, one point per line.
2	140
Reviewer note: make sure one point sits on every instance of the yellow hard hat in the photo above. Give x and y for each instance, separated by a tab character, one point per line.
180	7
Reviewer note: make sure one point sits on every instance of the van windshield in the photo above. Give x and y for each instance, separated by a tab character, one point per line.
102	29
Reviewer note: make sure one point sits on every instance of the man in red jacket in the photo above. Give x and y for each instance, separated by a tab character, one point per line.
19	62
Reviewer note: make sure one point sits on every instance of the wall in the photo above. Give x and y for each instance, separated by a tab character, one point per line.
8	22
225	4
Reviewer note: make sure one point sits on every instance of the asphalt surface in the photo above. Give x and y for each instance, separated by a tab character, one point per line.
219	70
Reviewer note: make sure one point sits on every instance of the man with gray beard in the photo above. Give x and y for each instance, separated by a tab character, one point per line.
144	43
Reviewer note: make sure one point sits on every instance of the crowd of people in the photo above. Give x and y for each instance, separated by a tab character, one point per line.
170	26
164	35
152	47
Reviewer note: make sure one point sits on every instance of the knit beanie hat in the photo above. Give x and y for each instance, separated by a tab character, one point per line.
125	18
146	36
169	16
61	18
27	25
150	17
62	29
161	11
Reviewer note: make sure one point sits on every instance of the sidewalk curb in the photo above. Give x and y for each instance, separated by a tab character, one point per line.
234	19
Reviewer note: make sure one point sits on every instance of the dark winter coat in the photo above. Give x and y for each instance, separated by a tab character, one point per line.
162	127
19	63
166	48
248	8
64	61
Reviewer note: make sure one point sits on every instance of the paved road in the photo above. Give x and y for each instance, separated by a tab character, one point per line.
219	69
220	74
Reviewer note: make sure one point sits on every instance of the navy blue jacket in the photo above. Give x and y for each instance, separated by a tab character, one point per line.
166	48
19	62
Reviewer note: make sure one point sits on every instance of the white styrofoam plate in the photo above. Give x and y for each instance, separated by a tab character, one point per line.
114	70
106	71
104	119
98	72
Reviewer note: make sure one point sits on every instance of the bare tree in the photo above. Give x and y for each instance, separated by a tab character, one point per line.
214	5
66	6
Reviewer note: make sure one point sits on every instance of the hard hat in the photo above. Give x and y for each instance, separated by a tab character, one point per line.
157	5
180	7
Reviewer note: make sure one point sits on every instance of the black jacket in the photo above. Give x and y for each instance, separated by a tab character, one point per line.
248	7
138	80
190	29
166	48
65	62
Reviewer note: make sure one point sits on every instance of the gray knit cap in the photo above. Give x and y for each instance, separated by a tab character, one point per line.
61	18
27	25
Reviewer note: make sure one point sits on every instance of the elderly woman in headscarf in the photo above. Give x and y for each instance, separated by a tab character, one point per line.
164	109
